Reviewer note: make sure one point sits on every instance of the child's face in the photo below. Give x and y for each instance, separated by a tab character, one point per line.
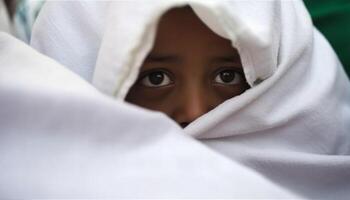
189	71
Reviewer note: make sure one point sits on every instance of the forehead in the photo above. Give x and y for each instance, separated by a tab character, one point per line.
180	29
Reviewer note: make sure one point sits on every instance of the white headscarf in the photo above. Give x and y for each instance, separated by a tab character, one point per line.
61	138
292	126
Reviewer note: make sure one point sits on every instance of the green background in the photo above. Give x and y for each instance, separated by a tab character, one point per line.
332	18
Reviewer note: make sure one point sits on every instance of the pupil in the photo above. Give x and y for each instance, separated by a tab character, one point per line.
227	76
156	78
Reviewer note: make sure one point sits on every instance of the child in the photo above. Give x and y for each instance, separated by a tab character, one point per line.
189	71
292	125
60	137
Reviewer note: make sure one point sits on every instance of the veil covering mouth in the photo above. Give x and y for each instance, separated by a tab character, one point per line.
292	125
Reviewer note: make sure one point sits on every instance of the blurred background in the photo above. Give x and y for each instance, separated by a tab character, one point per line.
331	17
21	15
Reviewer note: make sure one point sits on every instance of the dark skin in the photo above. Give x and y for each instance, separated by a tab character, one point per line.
189	71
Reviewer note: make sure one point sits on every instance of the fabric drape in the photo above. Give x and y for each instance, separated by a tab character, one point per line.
292	126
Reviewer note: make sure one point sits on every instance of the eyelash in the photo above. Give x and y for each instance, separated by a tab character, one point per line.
145	79
236	72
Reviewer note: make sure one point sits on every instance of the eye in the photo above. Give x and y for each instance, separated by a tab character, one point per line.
228	77
155	79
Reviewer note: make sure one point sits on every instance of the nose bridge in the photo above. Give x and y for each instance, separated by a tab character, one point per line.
194	103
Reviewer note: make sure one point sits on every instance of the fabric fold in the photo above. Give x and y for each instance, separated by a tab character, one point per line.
61	138
292	126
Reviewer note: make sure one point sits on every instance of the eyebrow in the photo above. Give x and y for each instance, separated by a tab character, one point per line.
229	58
173	58
162	58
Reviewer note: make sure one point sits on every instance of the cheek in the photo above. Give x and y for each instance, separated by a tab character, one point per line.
159	99
226	92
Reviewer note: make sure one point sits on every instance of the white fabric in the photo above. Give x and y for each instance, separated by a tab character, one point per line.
77	47
292	126
61	138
